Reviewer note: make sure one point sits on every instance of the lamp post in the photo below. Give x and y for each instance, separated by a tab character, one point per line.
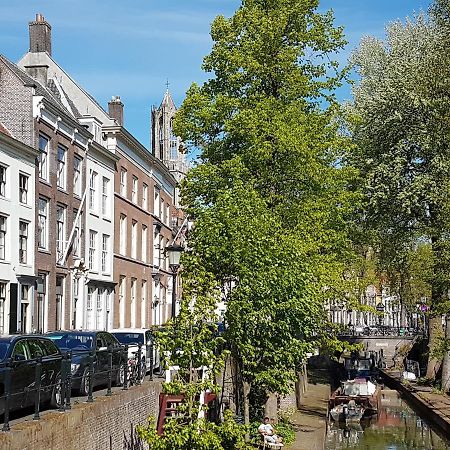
174	252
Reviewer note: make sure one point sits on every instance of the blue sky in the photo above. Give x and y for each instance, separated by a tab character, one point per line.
130	48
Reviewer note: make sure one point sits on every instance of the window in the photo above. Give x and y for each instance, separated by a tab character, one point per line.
23	242
59	302
25	321
157	202
23	188
144	196
76	244
105	189
2	181
133	302
123	182
173	143
2	306
92	250
41	302
2	237
144	244
92	189
99	309
167	214
122	301
90	300
43	156
42	223
60	232
61	169
123	234
105	246
77	164
134	189
75	291
133	238
143	303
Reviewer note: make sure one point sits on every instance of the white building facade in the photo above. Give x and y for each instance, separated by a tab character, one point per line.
17	235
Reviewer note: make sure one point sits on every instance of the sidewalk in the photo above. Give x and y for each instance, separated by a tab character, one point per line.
311	420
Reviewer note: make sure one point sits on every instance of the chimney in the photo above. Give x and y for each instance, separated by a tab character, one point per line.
40	35
115	108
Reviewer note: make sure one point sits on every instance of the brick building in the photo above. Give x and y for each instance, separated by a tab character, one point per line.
105	207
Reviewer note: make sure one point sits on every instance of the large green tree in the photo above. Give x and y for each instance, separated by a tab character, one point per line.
269	195
400	123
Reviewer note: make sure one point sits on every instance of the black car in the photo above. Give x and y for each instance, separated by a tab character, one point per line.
81	344
22	354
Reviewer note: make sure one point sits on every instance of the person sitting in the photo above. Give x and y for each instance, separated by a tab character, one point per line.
268	433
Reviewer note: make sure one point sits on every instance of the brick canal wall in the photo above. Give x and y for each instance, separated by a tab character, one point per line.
106	424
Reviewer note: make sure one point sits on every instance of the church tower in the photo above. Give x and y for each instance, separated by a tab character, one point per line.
165	145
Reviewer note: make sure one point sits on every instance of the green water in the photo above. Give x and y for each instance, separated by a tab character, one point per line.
397	427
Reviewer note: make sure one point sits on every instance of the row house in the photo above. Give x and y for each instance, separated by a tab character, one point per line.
105	205
17	224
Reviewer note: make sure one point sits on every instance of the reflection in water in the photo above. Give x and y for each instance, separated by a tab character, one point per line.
397	427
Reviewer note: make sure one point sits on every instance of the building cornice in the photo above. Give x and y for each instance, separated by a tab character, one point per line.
17	145
142	151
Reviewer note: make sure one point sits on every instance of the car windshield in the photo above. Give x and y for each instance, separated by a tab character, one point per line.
72	341
130	338
3	350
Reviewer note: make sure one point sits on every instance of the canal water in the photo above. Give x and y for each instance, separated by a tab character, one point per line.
397	427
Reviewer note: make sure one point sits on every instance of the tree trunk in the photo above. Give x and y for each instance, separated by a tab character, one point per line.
271	407
446	362
246	390
435	331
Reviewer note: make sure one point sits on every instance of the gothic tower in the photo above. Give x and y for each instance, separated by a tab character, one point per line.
165	145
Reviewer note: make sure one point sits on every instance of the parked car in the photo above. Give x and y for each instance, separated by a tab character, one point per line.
24	351
81	343
135	336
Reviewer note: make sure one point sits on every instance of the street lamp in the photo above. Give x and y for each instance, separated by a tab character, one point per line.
174	252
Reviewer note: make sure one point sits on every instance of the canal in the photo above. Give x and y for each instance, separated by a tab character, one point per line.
397	427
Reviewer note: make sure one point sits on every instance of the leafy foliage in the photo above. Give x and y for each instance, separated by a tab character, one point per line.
269	197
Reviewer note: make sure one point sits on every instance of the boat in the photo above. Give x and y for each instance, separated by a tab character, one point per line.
350	412
362	393
360	367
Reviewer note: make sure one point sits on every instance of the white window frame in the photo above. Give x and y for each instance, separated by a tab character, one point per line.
3	175
105	195
43	156
3	289
157	202
123	234
3	237
92	190
143	303
77	174
133	303
60	232
92	262
145	196
61	170
122	288
144	244
134	189
43	220
105	252
89	307
134	239
23	188
23	240
123	182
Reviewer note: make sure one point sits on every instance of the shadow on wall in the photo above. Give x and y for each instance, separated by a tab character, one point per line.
131	442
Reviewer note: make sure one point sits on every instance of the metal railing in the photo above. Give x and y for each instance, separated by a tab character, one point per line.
132	371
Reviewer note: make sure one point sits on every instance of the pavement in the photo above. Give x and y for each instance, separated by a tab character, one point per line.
310	421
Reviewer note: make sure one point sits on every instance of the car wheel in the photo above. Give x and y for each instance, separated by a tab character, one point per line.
84	385
56	398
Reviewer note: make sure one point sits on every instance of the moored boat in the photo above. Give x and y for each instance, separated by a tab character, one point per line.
347	412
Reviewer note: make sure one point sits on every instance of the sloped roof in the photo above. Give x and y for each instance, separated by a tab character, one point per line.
168	101
44	91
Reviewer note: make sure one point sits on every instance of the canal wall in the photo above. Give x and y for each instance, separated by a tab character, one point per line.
435	407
